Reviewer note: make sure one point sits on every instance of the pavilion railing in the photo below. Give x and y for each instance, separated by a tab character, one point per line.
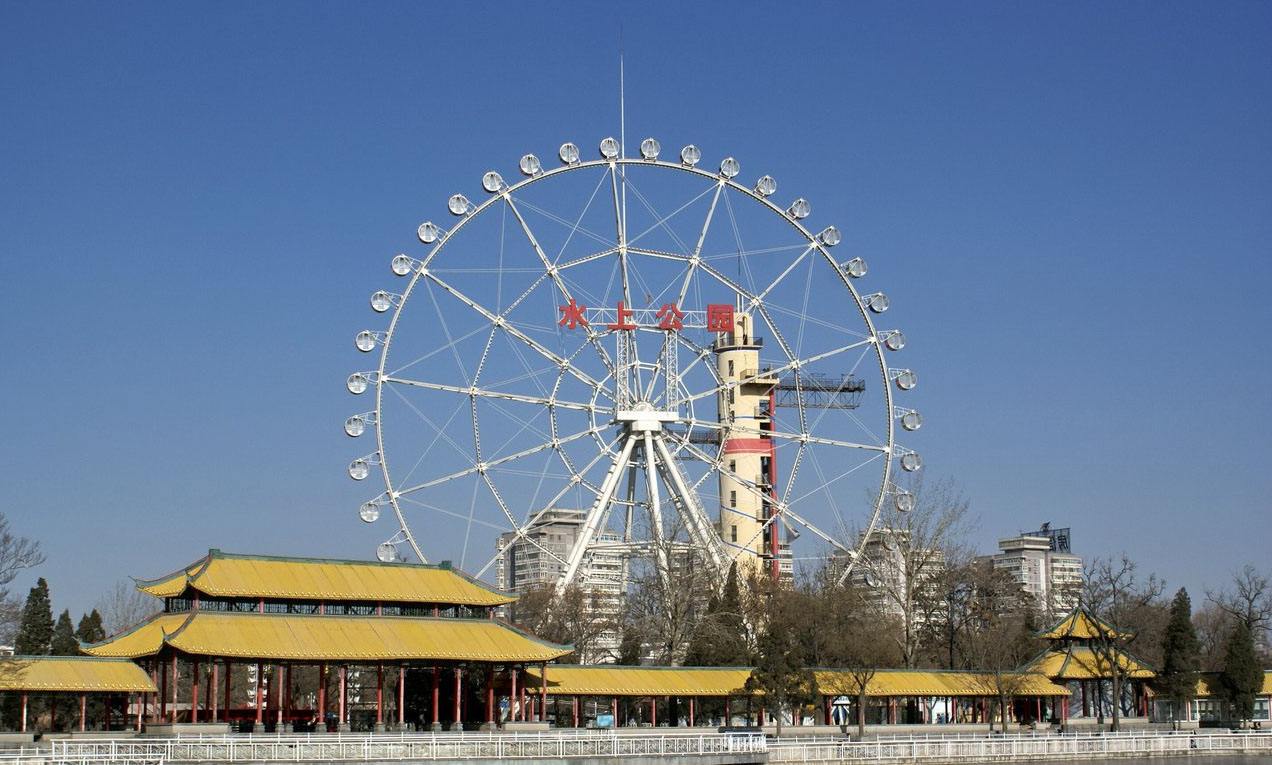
367	748
1036	747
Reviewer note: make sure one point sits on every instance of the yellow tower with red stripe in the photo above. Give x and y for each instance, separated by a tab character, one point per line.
747	477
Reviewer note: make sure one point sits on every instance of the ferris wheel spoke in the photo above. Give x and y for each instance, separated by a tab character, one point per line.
484	466
444	349
450	340
434	442
744	431
753	252
620	223
786	512
484	393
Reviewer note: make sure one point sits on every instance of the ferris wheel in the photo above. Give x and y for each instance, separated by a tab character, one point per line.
650	357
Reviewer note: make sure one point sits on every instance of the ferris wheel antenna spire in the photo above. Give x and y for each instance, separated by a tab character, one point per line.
622	101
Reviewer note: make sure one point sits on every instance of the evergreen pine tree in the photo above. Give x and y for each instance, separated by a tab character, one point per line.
1181	655
1242	677
90	628
629	647
64	642
35	629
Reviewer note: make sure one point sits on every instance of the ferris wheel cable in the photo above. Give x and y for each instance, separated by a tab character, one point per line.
585	259
477	468
697	250
428	449
512	330
753	432
816	322
464	453
663	220
441	319
793	264
826	486
778	370
486	393
468	529
442	349
574	228
452	513
756	251
808	289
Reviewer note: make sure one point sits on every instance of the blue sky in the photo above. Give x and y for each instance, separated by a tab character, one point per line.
1070	206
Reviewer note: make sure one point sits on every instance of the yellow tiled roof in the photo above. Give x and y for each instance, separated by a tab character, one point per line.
331	638
613	680
1083	663
897	682
1204	688
1079	625
572	680
227	575
72	673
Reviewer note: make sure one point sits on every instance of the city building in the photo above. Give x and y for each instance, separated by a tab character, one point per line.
1044	565
889	568
535	559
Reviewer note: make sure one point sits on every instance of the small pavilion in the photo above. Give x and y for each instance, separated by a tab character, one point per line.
337	622
1072	660
73	680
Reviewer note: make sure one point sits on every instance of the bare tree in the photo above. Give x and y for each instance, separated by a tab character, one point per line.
856	639
1213	625
575	617
999	626
904	562
16	555
1118	598
124	605
1249	600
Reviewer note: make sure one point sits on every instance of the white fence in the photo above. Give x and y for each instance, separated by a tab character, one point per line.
386	748
1049	747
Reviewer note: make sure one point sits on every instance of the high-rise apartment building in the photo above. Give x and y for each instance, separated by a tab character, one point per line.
1044	565
535	560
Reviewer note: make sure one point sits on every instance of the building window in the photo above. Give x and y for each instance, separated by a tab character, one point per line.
274	607
730	367
733	498
733	466
733	533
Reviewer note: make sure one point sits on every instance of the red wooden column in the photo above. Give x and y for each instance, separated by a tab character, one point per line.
543	692
23	727
759	717
229	673
83	712
614	709
575	710
490	695
691	699
401	705
175	683
321	725
728	711
512	695
343	686
141	703
260	705
437	712
379	693
525	712
653	711
194	692
212	690
459	695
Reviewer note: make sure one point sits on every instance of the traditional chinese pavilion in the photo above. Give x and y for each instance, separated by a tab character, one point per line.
1073	661
334	622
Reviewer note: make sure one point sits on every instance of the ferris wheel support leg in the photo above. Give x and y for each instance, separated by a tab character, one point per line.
655	515
594	516
695	519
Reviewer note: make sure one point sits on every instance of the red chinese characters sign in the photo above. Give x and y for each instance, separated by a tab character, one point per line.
718	317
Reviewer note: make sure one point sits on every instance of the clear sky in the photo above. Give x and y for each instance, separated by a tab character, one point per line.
1069	204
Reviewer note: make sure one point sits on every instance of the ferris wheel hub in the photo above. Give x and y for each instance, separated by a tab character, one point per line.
642	417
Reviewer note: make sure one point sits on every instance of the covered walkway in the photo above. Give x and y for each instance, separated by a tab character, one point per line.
72	680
